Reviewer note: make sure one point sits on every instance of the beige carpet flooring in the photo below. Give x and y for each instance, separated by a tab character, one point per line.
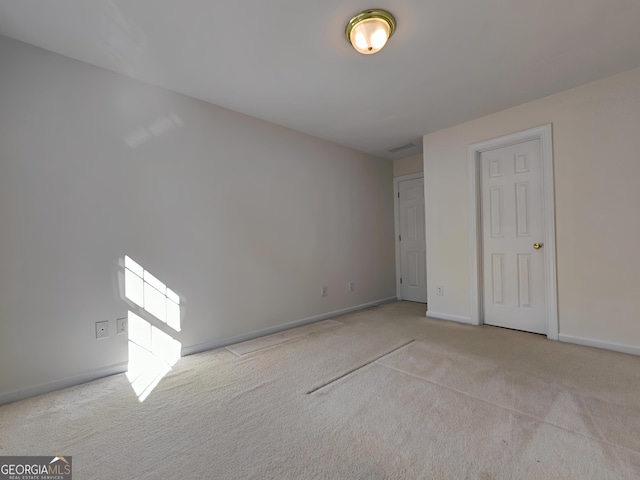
268	341
395	395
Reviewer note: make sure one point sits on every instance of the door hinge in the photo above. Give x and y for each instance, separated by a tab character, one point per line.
400	280
399	238
398	194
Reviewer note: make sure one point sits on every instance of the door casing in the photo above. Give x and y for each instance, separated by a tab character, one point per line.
544	134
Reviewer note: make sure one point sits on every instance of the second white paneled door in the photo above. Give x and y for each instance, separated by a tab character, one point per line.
512	225
413	270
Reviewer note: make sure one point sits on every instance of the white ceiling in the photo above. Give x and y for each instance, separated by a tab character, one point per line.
288	61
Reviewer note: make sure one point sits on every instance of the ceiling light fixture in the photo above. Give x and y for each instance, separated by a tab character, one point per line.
369	31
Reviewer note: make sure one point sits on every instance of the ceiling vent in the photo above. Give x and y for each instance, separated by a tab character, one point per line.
402	147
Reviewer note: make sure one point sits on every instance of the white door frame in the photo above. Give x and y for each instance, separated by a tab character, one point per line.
544	134
396	210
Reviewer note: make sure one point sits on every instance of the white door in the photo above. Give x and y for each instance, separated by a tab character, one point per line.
413	269
513	260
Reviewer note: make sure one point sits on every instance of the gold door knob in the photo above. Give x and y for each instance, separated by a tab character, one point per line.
538	245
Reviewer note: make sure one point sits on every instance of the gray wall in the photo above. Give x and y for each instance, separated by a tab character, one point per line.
245	220
408	165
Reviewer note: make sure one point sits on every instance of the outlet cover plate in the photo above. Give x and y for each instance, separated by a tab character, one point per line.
102	329
121	326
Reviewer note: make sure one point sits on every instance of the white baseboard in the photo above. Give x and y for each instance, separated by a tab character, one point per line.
203	347
446	316
588	342
21	394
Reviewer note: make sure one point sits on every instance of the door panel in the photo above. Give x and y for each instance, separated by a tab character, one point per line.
514	280
412	240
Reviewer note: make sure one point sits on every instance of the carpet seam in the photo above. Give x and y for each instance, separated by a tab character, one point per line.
374	360
281	343
533	417
269	347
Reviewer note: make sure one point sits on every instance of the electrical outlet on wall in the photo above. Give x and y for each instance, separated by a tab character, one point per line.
325	291
440	290
352	286
102	329
121	326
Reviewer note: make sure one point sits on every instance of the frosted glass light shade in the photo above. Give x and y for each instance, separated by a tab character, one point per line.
369	31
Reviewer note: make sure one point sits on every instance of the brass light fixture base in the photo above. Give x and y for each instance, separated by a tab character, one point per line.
373	13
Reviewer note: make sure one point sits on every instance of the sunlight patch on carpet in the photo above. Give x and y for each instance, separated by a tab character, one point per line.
152	353
153	349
